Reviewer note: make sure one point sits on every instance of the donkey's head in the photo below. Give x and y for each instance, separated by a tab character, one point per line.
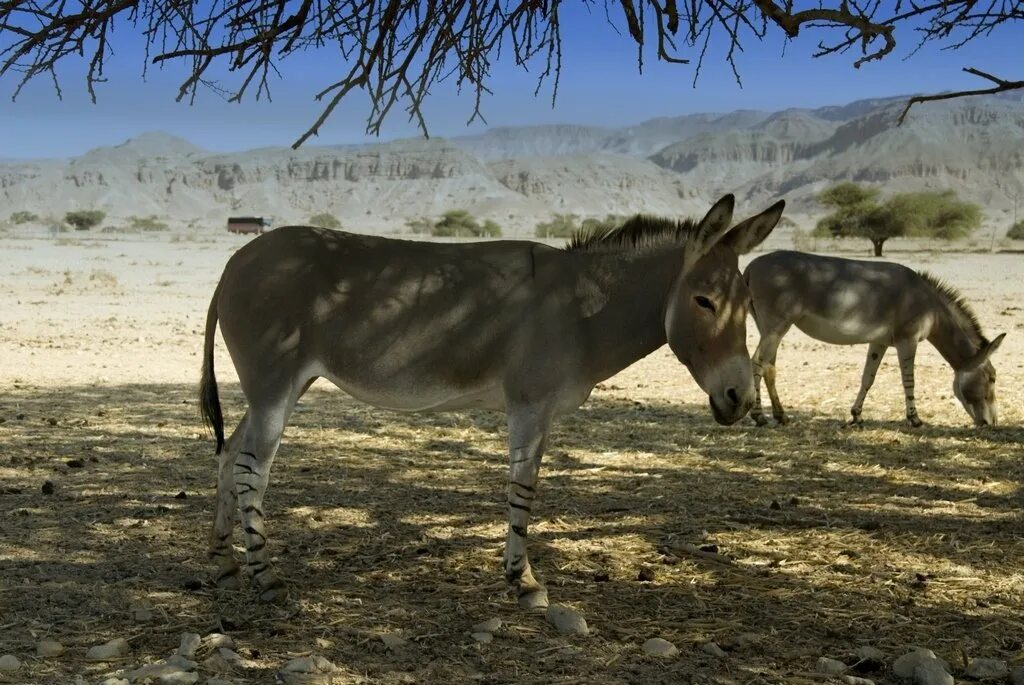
706	314
975	384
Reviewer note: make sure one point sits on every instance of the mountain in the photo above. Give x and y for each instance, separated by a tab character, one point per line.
521	175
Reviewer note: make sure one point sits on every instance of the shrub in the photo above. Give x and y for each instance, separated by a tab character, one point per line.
146	223
1016	231
460	223
325	220
560	226
85	219
420	225
23	217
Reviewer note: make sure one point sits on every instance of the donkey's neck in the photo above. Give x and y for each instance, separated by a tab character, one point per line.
631	323
953	335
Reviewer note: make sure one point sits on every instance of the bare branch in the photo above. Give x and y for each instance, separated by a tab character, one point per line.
1001	86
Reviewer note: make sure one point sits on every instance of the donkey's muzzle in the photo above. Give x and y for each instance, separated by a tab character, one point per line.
730	407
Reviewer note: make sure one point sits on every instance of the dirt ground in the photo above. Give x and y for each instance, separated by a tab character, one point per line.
817	539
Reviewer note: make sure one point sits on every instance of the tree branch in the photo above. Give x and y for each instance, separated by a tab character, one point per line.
1001	86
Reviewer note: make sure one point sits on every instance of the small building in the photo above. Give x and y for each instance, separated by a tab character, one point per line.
248	224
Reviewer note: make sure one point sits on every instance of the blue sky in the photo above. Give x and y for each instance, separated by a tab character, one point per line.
600	85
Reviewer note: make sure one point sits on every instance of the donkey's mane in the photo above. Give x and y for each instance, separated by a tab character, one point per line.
952	297
641	232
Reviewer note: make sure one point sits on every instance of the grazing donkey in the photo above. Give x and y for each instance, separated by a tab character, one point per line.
514	326
847	302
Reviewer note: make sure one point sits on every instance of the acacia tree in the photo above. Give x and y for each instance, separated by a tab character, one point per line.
396	50
858	214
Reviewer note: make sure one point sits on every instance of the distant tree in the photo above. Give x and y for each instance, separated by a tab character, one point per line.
420	225
85	219
857	213
559	226
1016	231
23	217
458	223
325	220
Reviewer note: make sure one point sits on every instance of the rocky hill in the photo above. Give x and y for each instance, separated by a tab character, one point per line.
521	175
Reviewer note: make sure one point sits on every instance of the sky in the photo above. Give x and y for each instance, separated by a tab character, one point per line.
600	85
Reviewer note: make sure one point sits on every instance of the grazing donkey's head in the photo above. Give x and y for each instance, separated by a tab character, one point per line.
706	313
975	384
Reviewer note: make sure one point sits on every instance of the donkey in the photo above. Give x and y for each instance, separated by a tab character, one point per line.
514	326
847	302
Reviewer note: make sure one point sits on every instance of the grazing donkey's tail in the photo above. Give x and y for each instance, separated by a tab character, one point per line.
209	399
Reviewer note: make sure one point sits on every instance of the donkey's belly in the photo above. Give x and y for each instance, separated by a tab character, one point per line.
849	330
413	396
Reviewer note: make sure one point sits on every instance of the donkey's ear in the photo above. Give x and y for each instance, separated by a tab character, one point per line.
747	235
711	229
987	351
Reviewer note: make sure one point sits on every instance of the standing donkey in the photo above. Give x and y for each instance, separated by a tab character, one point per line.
514	326
848	302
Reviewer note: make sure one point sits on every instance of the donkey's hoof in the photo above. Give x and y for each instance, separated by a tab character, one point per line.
855	422
230	579
759	419
276	592
914	421
534	600
781	419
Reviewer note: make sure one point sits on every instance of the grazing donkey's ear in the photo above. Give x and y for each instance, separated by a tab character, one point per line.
747	235
986	351
710	230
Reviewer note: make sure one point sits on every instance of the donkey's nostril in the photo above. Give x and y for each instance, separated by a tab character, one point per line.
733	395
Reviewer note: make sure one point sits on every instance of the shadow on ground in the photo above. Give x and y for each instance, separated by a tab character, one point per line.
817	540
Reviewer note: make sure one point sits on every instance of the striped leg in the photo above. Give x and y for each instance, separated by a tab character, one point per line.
527	434
763	364
907	350
875	353
251	473
228	573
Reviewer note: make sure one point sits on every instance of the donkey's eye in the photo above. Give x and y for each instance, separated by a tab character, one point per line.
705	303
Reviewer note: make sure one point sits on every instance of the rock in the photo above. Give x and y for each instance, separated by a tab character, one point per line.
566	621
482	637
1017	676
189	644
983	669
218	640
179	678
216	663
905	665
143	614
931	672
854	680
660	648
169	668
232	658
322	643
308	670
491	625
115	649
714	650
829	666
218	681
49	648
392	642
8	663
870	655
114	680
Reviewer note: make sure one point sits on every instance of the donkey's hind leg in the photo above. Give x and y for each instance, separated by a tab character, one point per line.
226	508
907	351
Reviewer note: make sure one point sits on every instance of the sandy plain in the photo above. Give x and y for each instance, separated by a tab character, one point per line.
817	539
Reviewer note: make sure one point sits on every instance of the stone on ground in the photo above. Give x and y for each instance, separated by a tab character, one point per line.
854	680
984	669
308	670
905	665
482	637
660	648
9	662
392	642
49	648
566	620
829	666
870	655
218	640
931	672
714	650
1017	676
115	649
491	625
189	644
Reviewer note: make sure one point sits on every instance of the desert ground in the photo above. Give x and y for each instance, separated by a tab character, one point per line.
778	544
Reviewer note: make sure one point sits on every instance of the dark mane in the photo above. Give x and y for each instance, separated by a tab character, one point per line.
957	303
639	233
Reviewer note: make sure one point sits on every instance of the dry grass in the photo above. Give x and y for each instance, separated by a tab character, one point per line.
826	539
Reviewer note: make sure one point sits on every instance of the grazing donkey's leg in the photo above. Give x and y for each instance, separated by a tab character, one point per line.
875	352
527	434
907	350
763	364
228	573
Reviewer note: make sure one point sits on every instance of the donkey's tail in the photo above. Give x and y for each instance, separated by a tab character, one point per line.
209	398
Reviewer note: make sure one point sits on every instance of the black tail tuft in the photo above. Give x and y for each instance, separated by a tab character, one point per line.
209	398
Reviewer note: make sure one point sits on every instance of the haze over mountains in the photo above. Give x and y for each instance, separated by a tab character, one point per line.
521	175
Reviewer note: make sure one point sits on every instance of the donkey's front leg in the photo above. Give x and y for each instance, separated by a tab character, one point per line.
527	434
867	378
907	351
